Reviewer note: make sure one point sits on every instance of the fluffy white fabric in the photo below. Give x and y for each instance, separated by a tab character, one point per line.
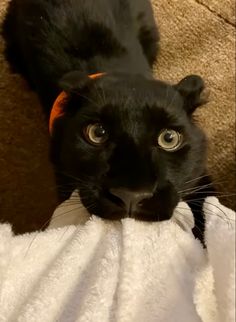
124	271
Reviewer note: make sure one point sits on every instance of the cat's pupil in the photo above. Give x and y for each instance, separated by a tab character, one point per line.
168	137
99	131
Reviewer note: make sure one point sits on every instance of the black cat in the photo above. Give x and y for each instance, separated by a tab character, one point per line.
128	142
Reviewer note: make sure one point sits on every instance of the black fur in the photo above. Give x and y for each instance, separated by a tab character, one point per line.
55	45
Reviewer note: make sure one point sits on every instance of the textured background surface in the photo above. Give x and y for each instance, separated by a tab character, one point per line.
197	36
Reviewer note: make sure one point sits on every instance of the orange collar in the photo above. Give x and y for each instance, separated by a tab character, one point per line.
57	109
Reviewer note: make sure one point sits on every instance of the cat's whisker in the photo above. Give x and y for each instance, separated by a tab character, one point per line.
66	174
68	205
197	178
214	181
65	231
52	219
203	198
188	221
196	188
218	193
223	217
196	210
200	211
216	206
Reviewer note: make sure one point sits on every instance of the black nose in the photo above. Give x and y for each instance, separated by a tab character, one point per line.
131	199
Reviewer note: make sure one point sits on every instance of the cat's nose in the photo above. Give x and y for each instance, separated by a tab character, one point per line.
131	199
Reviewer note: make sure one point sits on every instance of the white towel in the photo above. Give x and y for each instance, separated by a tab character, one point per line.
121	271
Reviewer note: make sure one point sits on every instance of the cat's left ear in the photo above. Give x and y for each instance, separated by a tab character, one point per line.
193	91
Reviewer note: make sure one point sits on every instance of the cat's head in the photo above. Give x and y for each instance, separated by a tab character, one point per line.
129	144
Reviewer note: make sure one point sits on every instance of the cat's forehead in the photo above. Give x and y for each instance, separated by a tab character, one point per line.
136	95
140	119
133	104
134	87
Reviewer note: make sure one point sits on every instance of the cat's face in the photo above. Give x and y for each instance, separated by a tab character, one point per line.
129	144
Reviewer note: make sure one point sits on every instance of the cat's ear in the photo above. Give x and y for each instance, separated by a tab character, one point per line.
68	101
193	91
74	81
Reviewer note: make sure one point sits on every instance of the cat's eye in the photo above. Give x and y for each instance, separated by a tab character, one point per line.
95	134
170	140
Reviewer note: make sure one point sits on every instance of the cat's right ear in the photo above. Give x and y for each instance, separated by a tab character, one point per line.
74	81
193	91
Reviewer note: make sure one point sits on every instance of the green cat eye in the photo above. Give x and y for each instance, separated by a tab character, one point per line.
170	140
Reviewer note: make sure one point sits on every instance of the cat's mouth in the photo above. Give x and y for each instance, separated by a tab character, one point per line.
159	207
114	199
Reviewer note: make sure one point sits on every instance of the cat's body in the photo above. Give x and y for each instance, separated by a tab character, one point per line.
113	142
47	39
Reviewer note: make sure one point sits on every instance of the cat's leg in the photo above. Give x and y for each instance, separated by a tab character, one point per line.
147	30
195	200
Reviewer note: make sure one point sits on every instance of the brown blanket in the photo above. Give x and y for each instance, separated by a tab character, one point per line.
197	36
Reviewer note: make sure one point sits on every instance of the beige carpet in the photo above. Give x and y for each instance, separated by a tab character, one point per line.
197	36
